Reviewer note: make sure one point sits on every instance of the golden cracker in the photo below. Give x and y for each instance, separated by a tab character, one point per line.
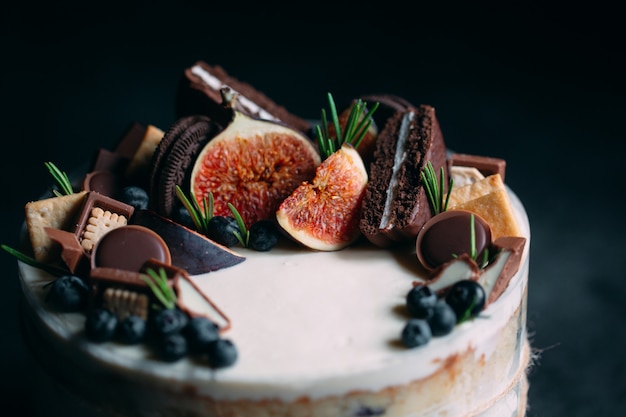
55	212
489	199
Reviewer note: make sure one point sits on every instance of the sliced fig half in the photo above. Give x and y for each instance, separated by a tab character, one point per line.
323	214
254	165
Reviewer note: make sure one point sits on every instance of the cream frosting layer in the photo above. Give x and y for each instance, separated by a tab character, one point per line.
315	325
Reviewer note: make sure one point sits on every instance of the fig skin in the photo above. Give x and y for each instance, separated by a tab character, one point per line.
253	165
323	214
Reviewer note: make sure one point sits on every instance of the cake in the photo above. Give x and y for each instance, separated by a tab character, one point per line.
279	328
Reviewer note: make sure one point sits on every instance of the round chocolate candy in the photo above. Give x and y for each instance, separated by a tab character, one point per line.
448	235
128	248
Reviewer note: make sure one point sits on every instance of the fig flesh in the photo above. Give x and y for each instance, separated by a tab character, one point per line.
254	165
324	213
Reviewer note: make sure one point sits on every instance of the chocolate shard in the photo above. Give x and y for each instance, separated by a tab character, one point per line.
193	301
190	250
72	252
461	268
396	205
496	276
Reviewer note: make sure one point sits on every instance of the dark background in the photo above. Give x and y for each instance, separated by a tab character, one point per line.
541	86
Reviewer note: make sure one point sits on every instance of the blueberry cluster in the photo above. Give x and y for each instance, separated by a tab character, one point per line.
262	235
171	333
434	316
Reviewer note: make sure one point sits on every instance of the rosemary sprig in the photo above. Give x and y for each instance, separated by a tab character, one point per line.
199	215
62	180
243	235
54	270
434	188
158	284
358	123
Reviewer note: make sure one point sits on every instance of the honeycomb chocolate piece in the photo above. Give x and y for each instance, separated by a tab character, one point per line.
100	213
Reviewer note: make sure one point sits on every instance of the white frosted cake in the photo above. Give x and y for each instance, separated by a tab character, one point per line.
317	333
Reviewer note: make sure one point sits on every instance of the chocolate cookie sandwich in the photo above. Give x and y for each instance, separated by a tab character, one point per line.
388	105
396	204
173	158
199	93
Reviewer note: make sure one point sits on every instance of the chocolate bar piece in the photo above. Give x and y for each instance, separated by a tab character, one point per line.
199	94
485	164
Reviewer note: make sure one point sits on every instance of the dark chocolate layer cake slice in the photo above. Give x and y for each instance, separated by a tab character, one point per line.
199	93
396	205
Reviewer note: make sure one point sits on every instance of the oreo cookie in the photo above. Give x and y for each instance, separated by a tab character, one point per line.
173	160
389	105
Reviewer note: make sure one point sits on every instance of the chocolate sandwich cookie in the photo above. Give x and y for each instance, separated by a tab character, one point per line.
199	93
173	159
396	204
388	105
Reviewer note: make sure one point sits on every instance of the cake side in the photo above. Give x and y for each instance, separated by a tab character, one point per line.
357	359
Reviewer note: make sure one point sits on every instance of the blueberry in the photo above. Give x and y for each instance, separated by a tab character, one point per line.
168	321
68	293
420	301
200	331
134	196
100	325
172	347
183	217
222	230
443	319
221	353
467	299
416	332
131	330
263	235
368	411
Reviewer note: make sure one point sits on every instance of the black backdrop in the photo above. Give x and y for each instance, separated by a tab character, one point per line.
539	85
